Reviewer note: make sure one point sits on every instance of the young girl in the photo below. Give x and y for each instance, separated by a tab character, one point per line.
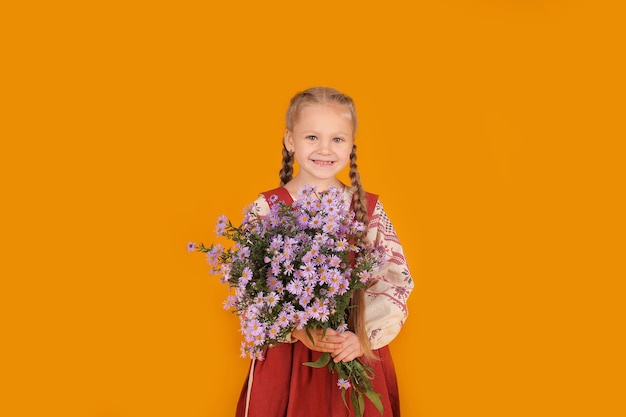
321	124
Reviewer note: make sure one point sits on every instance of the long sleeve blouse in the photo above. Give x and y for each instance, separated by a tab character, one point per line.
386	299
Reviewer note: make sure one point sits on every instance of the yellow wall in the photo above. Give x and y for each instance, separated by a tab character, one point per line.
489	128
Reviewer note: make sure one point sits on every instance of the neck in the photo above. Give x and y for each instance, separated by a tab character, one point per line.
322	185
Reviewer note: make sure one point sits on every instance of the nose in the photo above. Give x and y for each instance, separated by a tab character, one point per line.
324	146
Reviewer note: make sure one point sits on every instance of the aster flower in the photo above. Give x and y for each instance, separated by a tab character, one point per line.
221	225
297	267
343	383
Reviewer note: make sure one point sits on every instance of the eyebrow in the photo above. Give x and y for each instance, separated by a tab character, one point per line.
315	132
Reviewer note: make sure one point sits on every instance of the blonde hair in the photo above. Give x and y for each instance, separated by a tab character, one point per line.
327	95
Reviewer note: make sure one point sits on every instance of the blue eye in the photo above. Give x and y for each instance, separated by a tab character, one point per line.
338	140
311	137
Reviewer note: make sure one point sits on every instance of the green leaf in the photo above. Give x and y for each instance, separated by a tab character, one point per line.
308	333
361	404
374	397
343	397
355	405
321	362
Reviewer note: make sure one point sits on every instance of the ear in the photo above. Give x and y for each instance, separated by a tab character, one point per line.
288	141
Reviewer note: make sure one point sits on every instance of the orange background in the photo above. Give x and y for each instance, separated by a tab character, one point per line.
491	129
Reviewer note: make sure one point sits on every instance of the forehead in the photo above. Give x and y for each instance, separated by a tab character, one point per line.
324	116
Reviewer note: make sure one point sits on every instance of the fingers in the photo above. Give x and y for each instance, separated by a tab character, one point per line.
347	354
320	346
327	332
319	340
327	342
350	350
330	336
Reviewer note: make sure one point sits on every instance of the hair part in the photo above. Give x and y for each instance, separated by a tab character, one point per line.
316	96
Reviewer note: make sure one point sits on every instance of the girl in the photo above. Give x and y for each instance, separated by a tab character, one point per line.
321	124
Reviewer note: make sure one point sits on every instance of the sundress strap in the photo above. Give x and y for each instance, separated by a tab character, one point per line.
281	193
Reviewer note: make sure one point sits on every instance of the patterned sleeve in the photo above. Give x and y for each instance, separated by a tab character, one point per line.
260	206
386	300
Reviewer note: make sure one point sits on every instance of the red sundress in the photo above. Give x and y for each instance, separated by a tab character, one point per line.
281	386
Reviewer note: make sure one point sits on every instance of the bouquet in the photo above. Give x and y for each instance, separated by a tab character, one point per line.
297	267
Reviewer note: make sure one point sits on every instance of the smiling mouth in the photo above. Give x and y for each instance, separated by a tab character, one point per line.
322	163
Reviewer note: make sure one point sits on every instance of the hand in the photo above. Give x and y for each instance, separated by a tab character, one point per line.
349	350
331	341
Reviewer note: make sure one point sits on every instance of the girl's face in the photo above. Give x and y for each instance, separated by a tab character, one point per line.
321	139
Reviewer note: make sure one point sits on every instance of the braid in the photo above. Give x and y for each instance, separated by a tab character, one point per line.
359	199
286	172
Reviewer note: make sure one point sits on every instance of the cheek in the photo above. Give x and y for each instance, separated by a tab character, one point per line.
300	154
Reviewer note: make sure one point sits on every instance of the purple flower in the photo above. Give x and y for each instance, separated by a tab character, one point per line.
341	245
320	259
255	327
334	261
295	286
308	257
259	300
364	276
298	319
230	302
304	299
213	254
320	238
290	251
276	242
318	311
341	285
308	270
343	383
272	282
225	270
283	319
305	191
316	222
274	331
259	339
272	299
289	268
221	225
324	276
243	253
246	276
303	220
291	243
330	226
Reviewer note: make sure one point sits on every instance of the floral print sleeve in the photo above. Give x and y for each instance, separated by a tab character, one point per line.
386	300
260	207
